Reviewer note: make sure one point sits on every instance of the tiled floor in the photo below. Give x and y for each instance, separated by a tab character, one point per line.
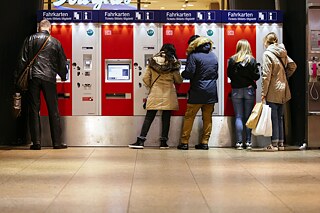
151	180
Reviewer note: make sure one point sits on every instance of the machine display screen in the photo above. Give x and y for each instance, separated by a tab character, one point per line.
118	72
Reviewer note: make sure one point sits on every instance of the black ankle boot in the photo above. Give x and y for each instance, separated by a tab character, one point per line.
201	146
163	144
183	146
35	146
139	144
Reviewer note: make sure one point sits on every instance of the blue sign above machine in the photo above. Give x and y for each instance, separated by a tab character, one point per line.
231	16
69	16
160	16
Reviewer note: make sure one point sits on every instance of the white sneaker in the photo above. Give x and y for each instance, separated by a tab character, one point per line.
270	148
239	146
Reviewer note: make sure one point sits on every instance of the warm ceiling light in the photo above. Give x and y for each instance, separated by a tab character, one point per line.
162	8
184	5
190	5
145	5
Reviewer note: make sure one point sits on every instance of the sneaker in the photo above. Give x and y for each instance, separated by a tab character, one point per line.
249	145
280	147
270	148
164	145
201	146
183	146
239	145
137	145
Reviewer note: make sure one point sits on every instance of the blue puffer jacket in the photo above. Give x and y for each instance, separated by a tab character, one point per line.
202	70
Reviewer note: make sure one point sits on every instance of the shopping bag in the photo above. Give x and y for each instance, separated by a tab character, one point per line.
263	126
268	132
254	117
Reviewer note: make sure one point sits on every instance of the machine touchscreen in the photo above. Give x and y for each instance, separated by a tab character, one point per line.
118	72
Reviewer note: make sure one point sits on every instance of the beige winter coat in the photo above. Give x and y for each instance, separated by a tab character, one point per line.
162	95
275	86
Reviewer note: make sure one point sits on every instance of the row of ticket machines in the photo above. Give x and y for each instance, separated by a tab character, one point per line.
101	103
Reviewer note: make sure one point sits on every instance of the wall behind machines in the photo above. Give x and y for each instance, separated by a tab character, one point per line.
16	28
108	61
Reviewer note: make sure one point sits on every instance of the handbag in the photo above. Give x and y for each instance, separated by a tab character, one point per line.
144	105
254	116
23	80
264	126
16	105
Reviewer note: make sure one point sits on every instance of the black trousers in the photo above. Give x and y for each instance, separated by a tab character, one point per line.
50	94
151	114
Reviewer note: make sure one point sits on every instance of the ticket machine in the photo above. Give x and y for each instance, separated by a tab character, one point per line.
252	26
63	33
116	58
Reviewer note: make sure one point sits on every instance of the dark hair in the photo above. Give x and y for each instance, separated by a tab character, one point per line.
192	38
170	50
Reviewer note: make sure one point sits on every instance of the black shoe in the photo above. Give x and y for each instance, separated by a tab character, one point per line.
164	145
201	146
36	146
183	146
137	145
61	146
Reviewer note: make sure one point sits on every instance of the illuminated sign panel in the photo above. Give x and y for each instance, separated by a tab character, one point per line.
97	3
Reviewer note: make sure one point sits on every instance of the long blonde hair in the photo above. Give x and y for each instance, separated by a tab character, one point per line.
243	50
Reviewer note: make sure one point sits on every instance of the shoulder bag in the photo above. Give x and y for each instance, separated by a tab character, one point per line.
23	79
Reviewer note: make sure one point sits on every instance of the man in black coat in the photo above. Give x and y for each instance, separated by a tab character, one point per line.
49	60
202	70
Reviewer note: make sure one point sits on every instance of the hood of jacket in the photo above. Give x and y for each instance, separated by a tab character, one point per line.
161	63
201	44
278	49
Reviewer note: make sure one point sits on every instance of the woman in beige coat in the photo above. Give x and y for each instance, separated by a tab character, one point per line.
161	74
277	67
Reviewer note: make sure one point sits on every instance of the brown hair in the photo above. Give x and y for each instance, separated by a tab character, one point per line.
270	38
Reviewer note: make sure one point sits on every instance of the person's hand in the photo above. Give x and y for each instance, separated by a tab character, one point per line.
263	99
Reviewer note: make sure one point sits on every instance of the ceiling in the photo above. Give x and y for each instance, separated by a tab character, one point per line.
162	4
177	4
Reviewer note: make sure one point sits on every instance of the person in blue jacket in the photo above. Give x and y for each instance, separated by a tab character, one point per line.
202	70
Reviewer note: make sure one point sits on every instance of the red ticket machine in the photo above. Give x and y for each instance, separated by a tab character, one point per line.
63	33
116	58
232	34
178	35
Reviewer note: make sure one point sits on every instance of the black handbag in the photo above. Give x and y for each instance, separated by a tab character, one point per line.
23	80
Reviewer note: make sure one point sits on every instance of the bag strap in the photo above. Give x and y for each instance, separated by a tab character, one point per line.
43	45
154	81
284	67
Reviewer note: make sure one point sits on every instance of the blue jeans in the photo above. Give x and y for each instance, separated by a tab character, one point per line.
277	123
243	102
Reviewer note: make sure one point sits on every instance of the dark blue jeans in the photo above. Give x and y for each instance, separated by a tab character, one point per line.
277	122
243	102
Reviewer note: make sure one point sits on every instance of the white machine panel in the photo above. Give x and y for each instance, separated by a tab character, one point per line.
85	69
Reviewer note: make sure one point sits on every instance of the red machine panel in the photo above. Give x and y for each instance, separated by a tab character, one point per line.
64	89
178	35
117	43
232	34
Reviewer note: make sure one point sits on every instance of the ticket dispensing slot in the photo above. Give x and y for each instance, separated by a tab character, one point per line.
182	95
63	95
118	96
